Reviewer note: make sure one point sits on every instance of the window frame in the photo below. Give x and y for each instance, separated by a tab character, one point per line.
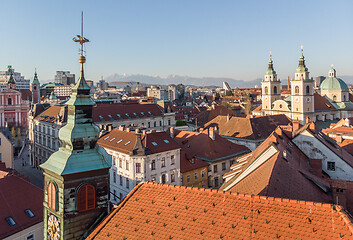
89	198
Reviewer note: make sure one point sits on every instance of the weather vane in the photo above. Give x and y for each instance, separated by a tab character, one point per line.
80	38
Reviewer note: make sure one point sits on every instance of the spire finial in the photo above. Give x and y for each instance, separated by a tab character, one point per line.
301	48
332	65
270	54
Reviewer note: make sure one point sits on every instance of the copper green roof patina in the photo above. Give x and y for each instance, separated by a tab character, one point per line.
35	79
270	70
301	67
333	83
79	152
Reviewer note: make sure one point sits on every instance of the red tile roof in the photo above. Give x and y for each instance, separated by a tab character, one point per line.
189	162
123	111
321	103
125	142
51	114
17	195
157	211
211	113
248	128
202	146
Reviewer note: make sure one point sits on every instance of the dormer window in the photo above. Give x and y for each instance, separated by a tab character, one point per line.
29	213
10	221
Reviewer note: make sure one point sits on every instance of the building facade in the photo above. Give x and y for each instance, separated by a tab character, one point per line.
64	78
21	82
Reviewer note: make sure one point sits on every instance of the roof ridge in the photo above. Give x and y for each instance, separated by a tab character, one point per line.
260	197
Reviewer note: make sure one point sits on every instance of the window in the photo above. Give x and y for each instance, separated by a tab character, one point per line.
296	91
114	194
344	99
331	166
307	90
86	198
9	101
266	90
127	183
231	162
163	162
334	98
153	165
168	121
223	166
154	124
138	167
29	213
195	175
121	196
188	178
0	141
121	180
120	163
172	160
172	177
275	90
30	237
154	144
10	221
210	181
149	124
127	165
160	123
203	174
215	168
216	181
114	177
153	179
52	196
163	178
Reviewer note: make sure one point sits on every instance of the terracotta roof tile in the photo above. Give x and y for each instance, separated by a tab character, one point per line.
157	211
321	103
17	195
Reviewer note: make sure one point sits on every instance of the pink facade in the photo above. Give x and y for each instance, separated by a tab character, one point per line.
13	110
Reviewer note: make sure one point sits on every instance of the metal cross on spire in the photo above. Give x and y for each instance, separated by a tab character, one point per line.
80	38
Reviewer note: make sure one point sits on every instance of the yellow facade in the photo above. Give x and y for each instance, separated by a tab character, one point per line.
196	178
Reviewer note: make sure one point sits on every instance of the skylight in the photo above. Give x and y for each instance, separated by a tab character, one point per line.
29	213
118	115
127	143
106	138
119	141
154	143
166	141
10	221
111	139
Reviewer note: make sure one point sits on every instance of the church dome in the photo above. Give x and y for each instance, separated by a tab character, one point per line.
333	83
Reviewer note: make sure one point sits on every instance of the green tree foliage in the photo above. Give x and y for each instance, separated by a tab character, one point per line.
229	93
180	123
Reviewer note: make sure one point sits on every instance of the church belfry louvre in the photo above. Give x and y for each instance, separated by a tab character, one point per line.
331	100
76	177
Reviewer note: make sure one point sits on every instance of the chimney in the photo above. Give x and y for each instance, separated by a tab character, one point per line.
228	117
307	120
128	129
121	128
143	132
109	128
216	129
213	106
312	127
137	130
211	133
295	125
171	130
200	129
339	139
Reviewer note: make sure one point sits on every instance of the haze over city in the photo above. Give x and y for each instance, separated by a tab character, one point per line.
193	38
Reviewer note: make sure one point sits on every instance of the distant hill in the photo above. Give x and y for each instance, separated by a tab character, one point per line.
186	80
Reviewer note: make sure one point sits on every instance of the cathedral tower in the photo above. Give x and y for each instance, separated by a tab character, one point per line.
302	92
76	177
35	89
271	88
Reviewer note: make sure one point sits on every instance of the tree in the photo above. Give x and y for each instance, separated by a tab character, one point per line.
248	105
13	133
229	93
217	96
180	123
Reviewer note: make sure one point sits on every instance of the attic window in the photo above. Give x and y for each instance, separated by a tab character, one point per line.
118	115
111	139
110	116
119	141
10	221
154	144
135	114
127	114
142	113
29	213
106	138
166	141
127	143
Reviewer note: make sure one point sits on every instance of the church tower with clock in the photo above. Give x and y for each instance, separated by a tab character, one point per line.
76	177
271	87
302	92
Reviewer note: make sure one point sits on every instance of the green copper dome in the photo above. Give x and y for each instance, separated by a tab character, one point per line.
333	83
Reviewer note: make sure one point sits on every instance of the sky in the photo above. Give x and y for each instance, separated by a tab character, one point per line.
198	38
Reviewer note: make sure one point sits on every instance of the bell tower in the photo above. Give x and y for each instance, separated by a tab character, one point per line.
302	92
271	88
35	89
76	177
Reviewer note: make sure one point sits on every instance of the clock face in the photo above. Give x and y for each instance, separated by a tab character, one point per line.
297	99
308	99
53	230
266	98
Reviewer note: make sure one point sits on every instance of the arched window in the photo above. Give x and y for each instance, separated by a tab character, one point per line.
52	196
86	198
334	98
275	90
266	90
9	101
344	98
307	90
296	90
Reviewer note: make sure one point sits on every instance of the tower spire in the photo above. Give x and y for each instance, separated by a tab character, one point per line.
301	66
270	70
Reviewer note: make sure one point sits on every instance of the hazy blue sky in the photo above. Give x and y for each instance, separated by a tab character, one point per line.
184	37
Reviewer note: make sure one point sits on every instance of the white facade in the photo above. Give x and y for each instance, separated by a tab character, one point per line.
62	90
21	82
129	170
